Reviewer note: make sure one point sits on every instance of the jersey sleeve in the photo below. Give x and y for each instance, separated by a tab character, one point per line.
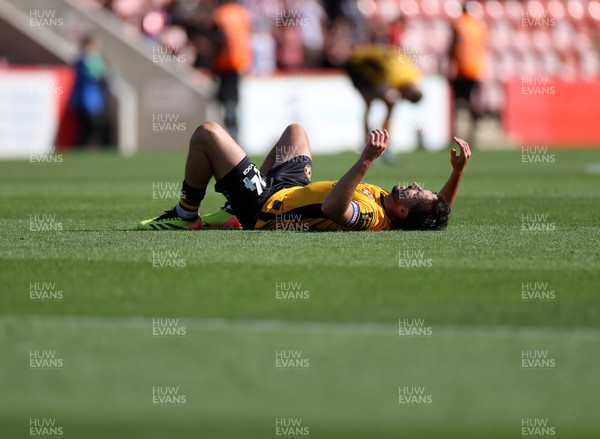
367	215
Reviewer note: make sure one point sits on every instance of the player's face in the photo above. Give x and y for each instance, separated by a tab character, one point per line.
410	195
405	197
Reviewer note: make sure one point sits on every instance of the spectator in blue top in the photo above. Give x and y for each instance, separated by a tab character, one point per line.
90	95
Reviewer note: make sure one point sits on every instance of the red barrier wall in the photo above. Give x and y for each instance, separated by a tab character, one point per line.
552	112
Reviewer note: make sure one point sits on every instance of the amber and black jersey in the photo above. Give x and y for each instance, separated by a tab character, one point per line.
302	205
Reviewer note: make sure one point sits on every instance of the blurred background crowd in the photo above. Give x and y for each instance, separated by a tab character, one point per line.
555	38
500	42
539	36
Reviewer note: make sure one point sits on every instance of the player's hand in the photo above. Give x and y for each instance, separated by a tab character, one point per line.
459	162
377	144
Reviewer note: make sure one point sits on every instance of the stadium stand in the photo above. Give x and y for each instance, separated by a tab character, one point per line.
144	88
553	38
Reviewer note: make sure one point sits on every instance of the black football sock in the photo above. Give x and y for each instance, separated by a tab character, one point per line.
190	201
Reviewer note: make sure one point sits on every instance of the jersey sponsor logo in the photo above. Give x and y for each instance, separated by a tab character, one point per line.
249	168
367	193
308	172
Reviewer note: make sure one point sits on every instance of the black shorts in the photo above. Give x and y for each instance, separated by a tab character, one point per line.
359	80
463	88
247	189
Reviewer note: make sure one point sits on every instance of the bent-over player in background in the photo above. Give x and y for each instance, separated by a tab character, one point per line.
383	72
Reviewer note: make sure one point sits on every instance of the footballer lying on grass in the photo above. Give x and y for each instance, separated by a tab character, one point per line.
281	191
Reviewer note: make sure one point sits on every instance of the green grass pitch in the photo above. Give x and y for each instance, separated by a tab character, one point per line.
467	360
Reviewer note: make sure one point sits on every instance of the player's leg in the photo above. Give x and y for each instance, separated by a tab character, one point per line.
388	155
368	102
474	101
212	152
460	95
389	106
357	72
292	146
228	94
389	96
292	143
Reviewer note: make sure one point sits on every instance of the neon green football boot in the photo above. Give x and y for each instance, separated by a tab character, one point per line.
169	221
221	219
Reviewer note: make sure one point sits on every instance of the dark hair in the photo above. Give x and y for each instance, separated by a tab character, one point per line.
426	215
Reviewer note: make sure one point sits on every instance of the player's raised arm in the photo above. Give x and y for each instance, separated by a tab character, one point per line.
459	163
337	204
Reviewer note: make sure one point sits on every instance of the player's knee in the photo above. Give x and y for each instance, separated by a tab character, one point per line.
206	131
296	129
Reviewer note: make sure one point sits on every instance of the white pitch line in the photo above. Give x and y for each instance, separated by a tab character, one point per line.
313	327
592	168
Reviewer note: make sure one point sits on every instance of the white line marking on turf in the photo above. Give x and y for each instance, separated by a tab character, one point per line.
593	168
314	327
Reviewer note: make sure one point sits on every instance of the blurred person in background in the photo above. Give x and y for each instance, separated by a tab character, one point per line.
233	56
264	49
466	68
396	31
289	36
90	96
349	11
338	43
383	72
313	32
347	27
200	30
